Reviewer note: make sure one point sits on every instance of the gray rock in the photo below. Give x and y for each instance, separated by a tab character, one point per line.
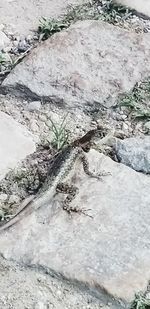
4	41
16	142
3	197
147	126
135	152
125	126
23	45
35	105
109	253
28	13
25	288
14	199
88	64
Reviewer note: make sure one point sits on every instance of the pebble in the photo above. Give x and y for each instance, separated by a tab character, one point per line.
124	117
124	126
43	118
2	27
147	126
14	199
34	126
34	106
59	293
117	117
3	197
4	40
23	45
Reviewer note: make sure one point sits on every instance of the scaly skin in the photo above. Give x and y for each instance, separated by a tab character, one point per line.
62	165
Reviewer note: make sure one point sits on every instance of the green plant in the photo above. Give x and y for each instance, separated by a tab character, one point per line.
6	62
4	214
48	27
140	302
142	115
2	58
114	13
94	9
137	101
60	133
128	101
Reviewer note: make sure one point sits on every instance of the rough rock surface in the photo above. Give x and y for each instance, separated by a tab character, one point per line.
22	17
90	63
135	152
16	142
109	252
4	40
24	288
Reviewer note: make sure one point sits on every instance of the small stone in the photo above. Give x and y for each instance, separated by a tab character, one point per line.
93	123
35	105
14	199
147	125
117	117
43	118
4	40
2	27
23	45
59	293
3	197
35	37
49	124
34	126
124	126
15	43
16	142
148	295
124	117
135	152
29	39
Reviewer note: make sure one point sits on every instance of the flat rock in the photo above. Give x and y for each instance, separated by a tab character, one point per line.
142	6
135	152
4	40
16	142
88	64
22	17
109	253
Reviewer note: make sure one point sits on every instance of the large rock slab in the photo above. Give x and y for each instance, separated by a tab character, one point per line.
142	6
4	41
22	17
135	152
90	63
16	142
111	252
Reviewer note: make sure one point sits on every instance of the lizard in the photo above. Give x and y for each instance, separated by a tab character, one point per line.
62	165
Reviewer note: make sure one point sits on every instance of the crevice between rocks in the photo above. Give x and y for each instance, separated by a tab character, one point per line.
96	290
23	92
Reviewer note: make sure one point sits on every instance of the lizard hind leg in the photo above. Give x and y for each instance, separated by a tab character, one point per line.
71	192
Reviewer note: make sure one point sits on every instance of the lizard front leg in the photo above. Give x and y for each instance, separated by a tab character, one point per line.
71	192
